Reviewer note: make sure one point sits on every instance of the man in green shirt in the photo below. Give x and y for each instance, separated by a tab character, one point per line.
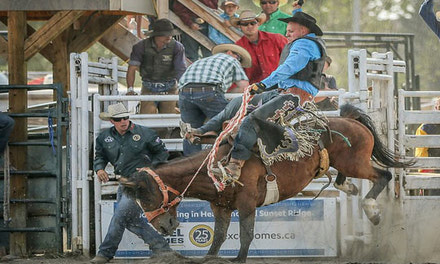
273	13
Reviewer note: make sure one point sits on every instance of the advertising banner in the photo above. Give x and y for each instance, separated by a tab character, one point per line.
291	228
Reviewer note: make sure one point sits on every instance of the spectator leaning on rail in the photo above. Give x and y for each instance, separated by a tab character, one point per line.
265	48
127	146
230	7
161	62
432	20
202	86
194	22
298	78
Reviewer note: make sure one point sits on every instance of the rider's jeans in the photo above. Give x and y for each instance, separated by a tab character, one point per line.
195	107
247	134
127	215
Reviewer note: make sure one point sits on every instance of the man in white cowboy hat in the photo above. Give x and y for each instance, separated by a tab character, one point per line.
202	86
127	146
161	62
230	8
298	78
432	20
265	48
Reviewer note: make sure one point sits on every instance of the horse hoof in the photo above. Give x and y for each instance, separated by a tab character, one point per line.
371	209
353	189
348	188
238	260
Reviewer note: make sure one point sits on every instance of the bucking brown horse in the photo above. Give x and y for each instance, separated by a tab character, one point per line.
158	192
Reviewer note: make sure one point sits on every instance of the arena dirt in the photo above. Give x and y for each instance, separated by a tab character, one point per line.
182	260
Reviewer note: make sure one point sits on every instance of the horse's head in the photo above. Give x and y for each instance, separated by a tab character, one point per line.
149	192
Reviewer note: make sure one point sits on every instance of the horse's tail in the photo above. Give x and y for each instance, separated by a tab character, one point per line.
381	154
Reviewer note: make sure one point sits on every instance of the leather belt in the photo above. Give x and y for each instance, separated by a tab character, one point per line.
303	95
199	87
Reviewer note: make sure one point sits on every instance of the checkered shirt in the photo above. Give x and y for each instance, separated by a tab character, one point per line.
217	69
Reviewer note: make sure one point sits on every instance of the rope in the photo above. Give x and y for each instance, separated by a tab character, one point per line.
233	123
337	133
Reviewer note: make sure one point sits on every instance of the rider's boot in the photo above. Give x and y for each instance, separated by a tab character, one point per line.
234	168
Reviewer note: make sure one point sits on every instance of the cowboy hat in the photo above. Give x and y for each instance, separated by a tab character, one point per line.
162	27
114	111
246	59
305	20
248	15
282	2
224	3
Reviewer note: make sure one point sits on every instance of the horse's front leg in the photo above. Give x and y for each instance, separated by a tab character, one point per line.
247	223
342	184
222	220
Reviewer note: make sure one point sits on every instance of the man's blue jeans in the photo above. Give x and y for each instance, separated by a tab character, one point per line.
127	216
195	107
6	127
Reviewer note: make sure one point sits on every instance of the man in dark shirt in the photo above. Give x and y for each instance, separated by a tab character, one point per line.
127	146
161	61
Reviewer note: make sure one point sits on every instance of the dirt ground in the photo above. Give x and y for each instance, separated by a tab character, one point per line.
181	260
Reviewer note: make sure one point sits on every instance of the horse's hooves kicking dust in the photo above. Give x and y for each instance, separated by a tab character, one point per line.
371	209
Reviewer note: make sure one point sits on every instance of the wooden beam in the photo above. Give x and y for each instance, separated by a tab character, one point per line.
18	104
119	41
125	6
202	39
49	31
162	8
206	14
3	49
60	65
46	51
95	28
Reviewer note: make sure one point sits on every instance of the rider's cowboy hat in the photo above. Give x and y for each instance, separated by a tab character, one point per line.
282	2
115	111
246	59
248	15
162	27
224	3
305	20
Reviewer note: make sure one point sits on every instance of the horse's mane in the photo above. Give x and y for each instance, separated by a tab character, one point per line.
183	166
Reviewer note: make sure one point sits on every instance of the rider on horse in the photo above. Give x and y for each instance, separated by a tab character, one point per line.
298	77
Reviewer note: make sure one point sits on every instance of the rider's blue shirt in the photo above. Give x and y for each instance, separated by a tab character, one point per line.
301	52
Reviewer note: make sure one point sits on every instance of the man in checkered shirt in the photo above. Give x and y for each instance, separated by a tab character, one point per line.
203	85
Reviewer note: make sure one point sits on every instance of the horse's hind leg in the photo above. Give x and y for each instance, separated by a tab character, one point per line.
369	203
342	184
222	221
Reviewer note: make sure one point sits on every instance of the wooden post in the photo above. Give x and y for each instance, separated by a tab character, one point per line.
60	65
18	104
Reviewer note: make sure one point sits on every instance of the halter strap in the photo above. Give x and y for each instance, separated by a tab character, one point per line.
164	189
